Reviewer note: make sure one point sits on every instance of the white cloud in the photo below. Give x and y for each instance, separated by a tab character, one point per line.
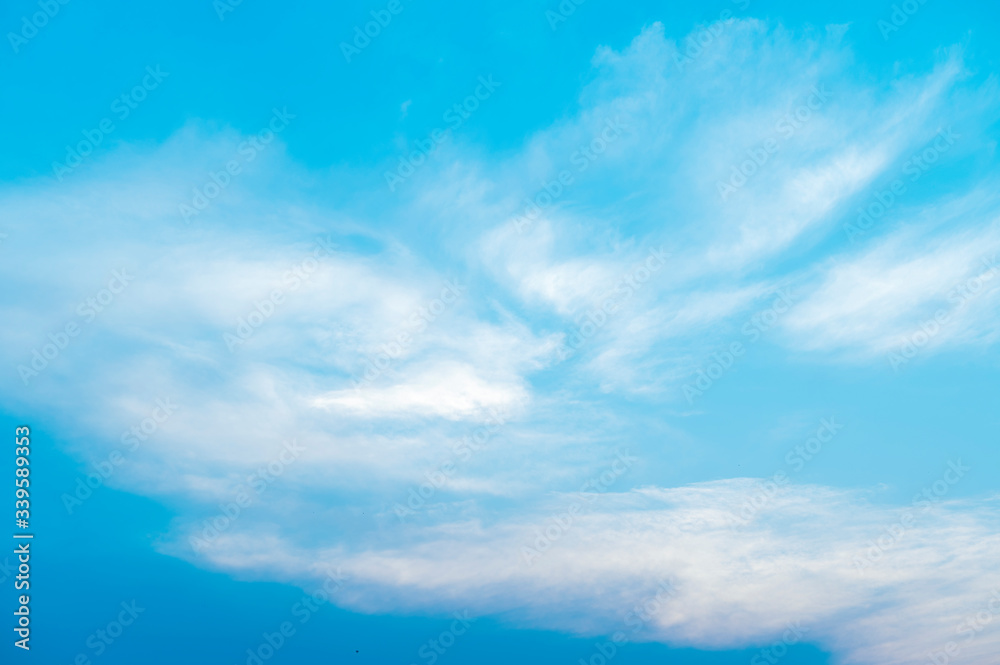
869	304
447	390
794	563
494	349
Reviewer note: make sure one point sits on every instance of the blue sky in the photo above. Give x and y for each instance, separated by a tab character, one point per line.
635	333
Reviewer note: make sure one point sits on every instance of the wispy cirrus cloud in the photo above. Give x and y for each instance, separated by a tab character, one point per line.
638	220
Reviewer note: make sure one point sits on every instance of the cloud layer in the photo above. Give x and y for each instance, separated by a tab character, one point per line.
457	362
